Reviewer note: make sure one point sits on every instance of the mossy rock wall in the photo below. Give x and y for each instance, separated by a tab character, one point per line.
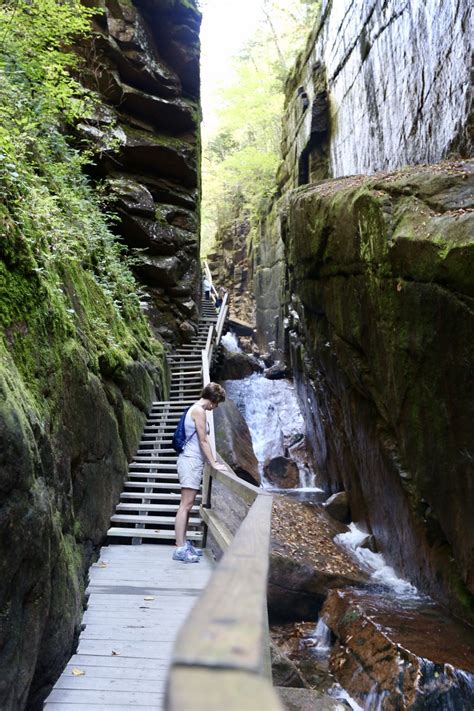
381	333
76	382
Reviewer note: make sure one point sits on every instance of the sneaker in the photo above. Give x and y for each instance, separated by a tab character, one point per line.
185	555
194	551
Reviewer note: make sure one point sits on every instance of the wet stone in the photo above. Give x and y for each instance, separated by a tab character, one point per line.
400	652
282	472
337	506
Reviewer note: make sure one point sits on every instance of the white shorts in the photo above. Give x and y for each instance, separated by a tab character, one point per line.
190	471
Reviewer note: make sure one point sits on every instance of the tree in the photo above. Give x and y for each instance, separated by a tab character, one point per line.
240	158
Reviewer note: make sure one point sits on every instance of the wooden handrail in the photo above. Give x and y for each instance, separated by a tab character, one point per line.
209	415
221	318
221	655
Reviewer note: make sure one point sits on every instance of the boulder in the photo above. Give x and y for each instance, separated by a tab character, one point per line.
400	653
305	563
308	700
278	371
337	506
236	366
282	472
234	442
284	671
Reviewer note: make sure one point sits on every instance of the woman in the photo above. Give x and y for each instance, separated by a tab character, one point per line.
191	465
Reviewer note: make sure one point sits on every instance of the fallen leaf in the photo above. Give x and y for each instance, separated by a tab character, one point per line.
78	672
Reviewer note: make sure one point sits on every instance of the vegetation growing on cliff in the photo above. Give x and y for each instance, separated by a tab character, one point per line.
62	273
241	156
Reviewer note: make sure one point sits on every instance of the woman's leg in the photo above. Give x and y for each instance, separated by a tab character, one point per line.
181	524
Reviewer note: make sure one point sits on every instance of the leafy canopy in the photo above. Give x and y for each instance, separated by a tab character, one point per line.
241	155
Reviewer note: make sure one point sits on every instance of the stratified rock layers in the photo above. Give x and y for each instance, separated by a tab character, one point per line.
144	62
382	342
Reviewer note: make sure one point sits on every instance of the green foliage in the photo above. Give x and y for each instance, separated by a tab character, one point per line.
241	156
62	273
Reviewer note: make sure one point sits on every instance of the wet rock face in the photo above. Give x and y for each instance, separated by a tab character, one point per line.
282	472
144	62
399	654
381	282
59	481
238	365
387	85
234	443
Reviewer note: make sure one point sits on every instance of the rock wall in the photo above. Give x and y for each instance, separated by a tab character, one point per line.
144	62
381	85
365	284
229	265
78	370
72	410
382	344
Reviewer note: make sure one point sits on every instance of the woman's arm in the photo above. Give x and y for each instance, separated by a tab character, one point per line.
199	417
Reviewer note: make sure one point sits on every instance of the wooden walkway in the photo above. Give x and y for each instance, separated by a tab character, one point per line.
139	598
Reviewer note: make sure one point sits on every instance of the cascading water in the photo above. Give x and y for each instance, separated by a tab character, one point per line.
380	572
273	415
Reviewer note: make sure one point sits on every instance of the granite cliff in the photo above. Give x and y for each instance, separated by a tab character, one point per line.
365	282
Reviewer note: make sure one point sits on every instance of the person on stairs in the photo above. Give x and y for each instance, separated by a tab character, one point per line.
206	285
191	466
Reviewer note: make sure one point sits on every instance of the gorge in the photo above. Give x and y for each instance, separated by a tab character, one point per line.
357	275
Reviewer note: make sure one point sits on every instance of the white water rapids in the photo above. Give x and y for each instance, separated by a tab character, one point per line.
273	415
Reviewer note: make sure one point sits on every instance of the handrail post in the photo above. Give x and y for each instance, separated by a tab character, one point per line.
206	499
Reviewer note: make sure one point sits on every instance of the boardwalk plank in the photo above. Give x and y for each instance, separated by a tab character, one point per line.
86	696
119	618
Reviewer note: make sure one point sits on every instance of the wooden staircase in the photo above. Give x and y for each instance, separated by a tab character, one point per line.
150	499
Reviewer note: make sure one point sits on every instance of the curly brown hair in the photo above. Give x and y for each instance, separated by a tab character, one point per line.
213	392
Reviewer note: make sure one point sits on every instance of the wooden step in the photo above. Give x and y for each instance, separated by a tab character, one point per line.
151	520
166	496
141	469
159	450
153	458
150	533
175	403
155	485
164	508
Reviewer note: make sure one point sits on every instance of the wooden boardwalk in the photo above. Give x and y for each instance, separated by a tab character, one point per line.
139	598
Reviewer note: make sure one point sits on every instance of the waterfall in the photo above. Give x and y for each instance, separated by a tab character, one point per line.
375	562
275	421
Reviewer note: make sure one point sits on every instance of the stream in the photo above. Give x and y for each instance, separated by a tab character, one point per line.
428	662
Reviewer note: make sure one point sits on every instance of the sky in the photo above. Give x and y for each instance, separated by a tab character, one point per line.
226	26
